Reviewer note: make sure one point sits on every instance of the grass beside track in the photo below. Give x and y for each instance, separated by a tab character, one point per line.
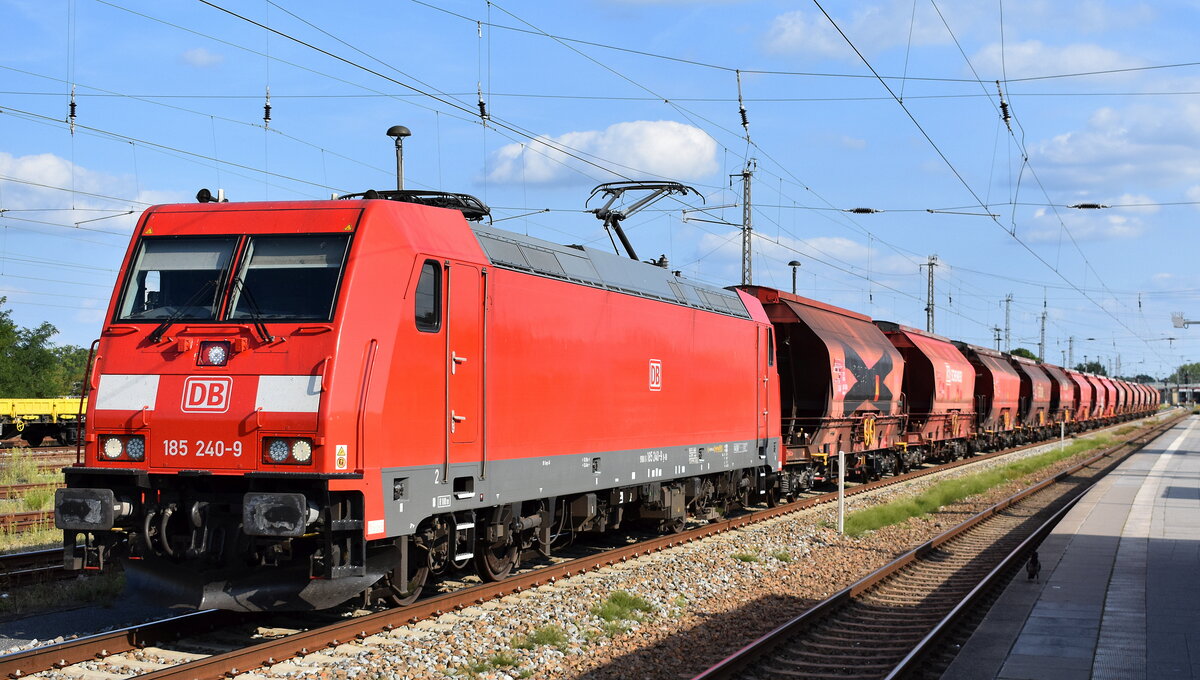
21	466
14	540
954	490
96	589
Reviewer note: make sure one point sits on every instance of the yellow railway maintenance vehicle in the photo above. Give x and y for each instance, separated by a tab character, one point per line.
37	419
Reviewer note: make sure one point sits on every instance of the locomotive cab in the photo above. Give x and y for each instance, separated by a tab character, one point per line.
214	441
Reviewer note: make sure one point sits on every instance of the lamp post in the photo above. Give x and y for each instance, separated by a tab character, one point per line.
794	264
399	132
1071	351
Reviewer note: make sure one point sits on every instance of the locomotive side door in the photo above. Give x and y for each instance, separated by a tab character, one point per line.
765	359
464	362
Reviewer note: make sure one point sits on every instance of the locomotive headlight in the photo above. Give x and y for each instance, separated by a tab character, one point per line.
213	353
136	448
277	451
112	448
301	451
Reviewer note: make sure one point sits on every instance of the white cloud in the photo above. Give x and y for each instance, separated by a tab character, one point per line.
805	33
49	182
1033	58
1136	203
853	142
660	148
1147	145
886	24
201	58
723	256
872	27
1193	194
1089	225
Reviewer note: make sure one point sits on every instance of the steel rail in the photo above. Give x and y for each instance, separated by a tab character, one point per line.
1006	567
26	520
765	644
21	568
14	491
98	646
23	663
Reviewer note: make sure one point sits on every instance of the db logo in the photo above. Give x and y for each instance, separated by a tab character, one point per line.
208	395
655	375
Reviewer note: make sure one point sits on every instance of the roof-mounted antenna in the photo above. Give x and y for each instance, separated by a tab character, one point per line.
614	191
398	133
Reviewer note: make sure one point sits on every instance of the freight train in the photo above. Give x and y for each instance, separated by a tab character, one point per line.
293	404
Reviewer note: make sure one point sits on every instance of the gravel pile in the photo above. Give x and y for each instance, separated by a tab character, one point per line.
698	602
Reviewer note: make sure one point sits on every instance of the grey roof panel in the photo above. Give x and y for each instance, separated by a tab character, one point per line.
597	268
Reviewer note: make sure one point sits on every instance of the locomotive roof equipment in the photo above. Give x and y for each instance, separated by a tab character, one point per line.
614	191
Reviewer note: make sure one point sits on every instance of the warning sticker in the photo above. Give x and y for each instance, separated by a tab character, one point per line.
342	459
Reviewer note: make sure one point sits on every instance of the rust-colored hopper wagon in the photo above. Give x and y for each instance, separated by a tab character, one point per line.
840	383
997	396
1034	408
1062	395
1085	399
939	389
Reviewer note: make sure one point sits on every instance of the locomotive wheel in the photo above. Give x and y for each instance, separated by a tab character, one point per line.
439	545
747	493
495	562
404	591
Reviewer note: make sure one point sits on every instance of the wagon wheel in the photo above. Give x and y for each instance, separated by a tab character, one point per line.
774	497
495	561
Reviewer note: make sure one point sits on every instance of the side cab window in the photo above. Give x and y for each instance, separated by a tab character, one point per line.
429	298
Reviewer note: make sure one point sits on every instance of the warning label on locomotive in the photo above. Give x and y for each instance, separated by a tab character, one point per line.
342	459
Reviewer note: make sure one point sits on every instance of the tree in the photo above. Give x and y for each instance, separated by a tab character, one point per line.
32	367
1093	367
1186	373
1022	352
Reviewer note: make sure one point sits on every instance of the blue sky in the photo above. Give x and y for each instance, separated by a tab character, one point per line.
1101	97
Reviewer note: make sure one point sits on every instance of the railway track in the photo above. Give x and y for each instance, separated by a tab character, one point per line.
220	644
884	625
13	491
24	521
61	451
37	566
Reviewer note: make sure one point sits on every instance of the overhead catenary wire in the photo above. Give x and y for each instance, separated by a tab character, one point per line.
952	167
815	74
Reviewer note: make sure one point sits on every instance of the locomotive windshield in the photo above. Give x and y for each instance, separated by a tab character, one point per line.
289	277
177	277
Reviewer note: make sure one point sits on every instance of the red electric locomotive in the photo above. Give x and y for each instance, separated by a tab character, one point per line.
294	403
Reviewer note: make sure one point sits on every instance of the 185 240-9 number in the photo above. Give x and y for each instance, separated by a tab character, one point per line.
201	447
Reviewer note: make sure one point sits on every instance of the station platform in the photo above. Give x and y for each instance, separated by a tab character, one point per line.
1118	597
